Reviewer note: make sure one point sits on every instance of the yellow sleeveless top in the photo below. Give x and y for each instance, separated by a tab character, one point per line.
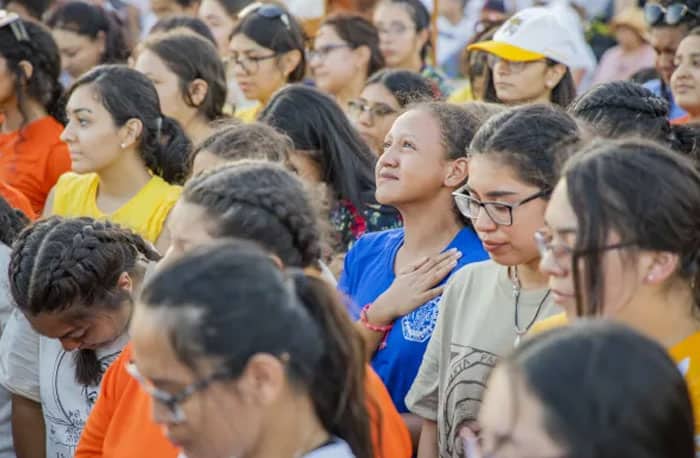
76	195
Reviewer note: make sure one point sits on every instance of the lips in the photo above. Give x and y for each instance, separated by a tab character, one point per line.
493	246
683	88
386	176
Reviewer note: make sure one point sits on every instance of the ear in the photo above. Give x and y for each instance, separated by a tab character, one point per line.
278	262
263	379
457	173
198	90
27	69
660	266
554	75
101	41
124	282
289	61
130	132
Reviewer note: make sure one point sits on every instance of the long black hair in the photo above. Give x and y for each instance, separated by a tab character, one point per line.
318	126
357	31
40	50
645	193
595	381
128	94
220	282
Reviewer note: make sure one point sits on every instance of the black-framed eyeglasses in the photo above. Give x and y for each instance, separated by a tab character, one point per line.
561	251
377	110
267	11
673	14
15	23
500	213
174	401
249	64
323	51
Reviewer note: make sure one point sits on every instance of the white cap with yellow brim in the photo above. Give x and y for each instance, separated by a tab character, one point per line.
531	34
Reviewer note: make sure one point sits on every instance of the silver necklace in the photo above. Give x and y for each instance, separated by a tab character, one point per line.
520	332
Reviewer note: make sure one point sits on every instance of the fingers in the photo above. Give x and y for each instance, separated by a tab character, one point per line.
438	260
431	294
415	266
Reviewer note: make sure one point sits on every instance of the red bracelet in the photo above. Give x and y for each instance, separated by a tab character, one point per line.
373	327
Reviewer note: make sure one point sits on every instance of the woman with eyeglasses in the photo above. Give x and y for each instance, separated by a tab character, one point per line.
331	157
594	390
685	82
32	156
394	278
267	50
404	39
530	60
345	53
191	85
668	25
383	98
488	307
72	281
632	257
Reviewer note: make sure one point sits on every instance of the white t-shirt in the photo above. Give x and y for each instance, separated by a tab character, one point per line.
38	368
6	448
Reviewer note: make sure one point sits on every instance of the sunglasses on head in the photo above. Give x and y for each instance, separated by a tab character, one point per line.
13	21
674	14
267	11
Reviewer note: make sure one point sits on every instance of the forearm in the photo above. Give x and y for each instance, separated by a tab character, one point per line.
28	428
414	424
427	446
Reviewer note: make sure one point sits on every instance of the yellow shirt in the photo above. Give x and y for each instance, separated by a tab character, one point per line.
685	354
462	95
248	115
76	195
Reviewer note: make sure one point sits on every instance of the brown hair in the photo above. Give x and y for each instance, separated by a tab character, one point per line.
357	31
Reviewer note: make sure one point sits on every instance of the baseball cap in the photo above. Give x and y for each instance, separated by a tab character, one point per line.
531	34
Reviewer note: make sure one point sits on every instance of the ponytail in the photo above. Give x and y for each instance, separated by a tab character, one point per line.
12	221
685	139
338	389
166	149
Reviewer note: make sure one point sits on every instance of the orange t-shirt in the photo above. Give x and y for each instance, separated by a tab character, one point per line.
121	425
17	200
32	159
680	121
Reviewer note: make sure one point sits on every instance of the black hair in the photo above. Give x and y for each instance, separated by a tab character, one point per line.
260	201
357	31
318	126
644	192
35	8
12	221
90	20
41	51
128	94
234	7
594	381
187	3
406	86
58	263
247	141
201	61
562	94
421	18
533	140
279	34
324	359
193	24
623	108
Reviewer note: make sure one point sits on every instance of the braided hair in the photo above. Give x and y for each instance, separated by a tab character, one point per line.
57	263
41	51
624	108
12	221
260	201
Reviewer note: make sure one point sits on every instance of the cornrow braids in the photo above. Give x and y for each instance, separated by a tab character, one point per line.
12	221
260	201
59	262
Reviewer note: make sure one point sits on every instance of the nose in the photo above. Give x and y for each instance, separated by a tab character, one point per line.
66	136
549	265
483	222
70	344
365	118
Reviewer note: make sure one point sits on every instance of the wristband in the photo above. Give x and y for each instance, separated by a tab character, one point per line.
373	327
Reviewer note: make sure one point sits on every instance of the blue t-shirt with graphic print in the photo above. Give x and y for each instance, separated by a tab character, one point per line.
368	272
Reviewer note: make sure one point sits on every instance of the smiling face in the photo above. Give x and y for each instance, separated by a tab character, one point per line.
79	53
374	127
91	135
685	81
490	180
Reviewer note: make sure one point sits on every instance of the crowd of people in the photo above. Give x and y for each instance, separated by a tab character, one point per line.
392	229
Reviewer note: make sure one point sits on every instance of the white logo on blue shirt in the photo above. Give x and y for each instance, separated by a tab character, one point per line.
419	325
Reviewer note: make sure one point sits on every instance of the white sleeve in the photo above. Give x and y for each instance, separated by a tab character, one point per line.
19	358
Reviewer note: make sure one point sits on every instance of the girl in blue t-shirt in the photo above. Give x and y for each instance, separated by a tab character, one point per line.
394	278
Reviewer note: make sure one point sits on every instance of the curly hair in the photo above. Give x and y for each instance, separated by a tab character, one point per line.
12	221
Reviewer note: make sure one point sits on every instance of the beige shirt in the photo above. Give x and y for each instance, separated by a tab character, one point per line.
475	328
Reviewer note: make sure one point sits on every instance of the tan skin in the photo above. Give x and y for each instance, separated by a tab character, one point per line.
96	146
373	129
685	82
514	245
398	40
79	53
219	22
665	41
414	176
9	104
648	295
533	84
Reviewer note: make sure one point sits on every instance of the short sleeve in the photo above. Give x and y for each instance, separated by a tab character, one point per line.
423	399
19	358
347	283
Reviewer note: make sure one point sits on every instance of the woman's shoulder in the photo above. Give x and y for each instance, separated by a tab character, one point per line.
71	182
484	273
379	241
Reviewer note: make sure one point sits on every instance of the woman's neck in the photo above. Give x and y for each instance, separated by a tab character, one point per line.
295	430
530	276
15	119
123	179
429	226
198	130
414	63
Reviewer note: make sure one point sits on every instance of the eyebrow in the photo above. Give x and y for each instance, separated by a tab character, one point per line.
494	194
80	110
